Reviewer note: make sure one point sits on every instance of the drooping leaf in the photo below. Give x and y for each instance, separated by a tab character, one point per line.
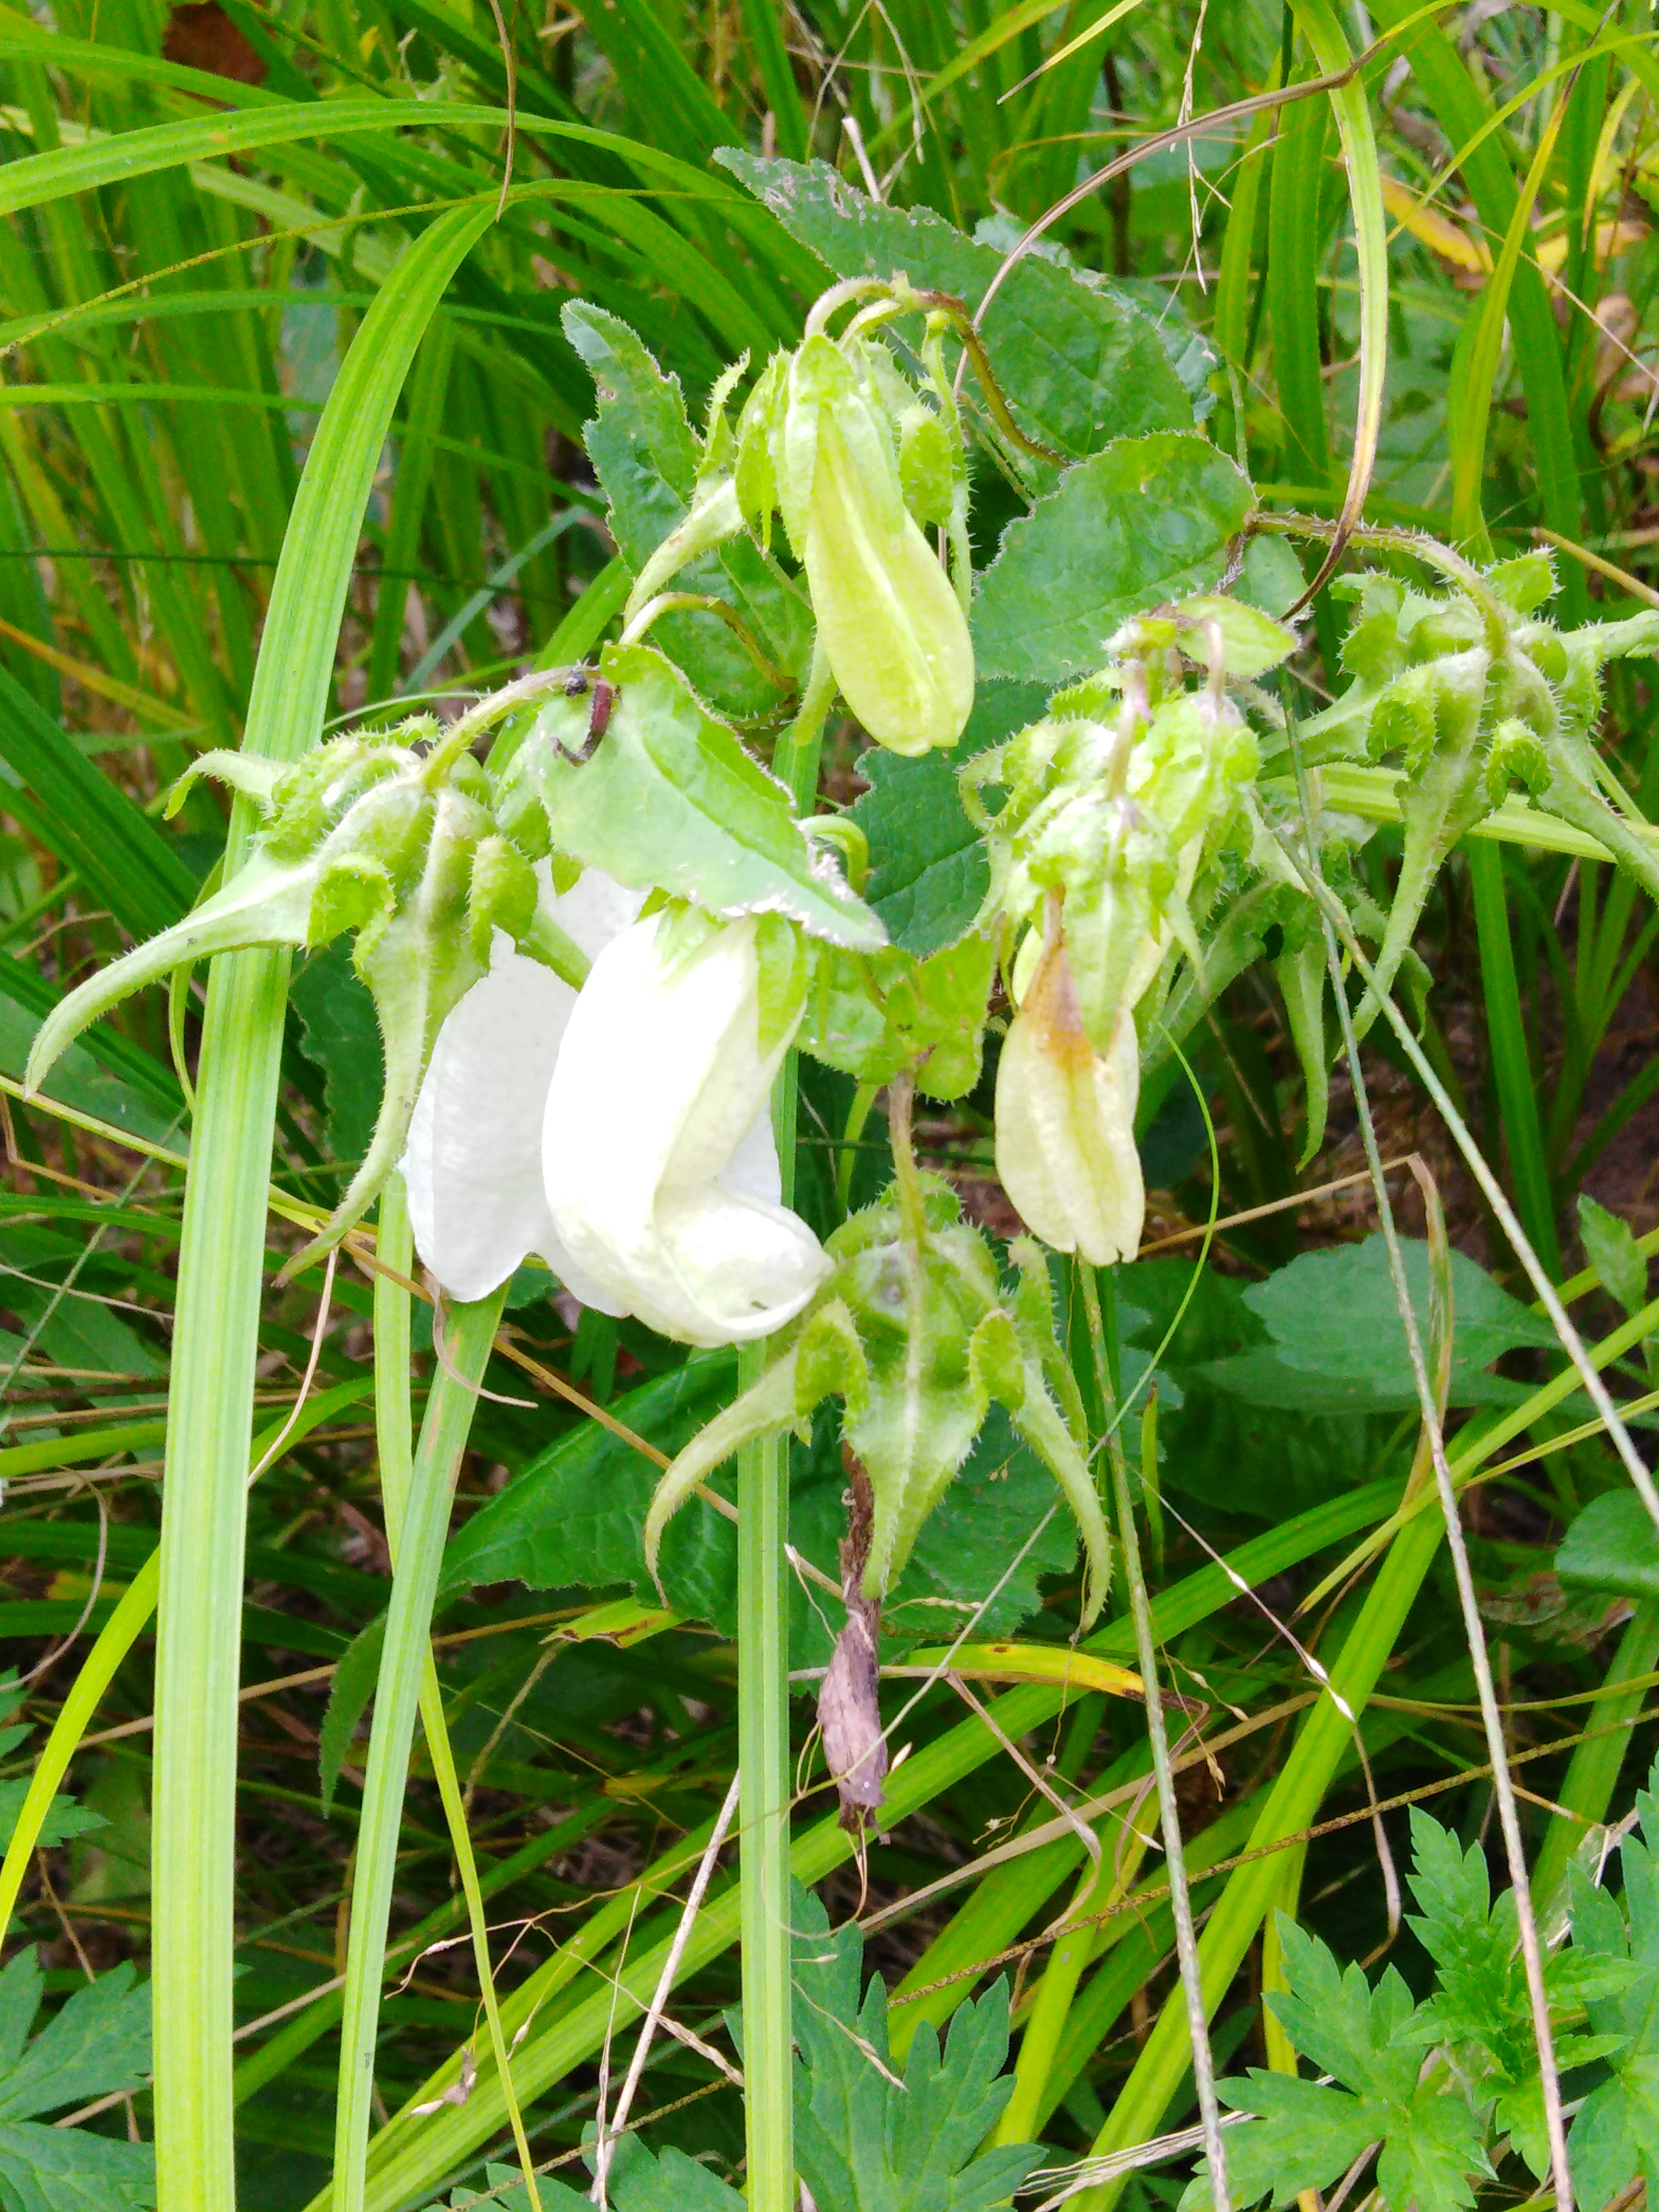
1080	363
1145	520
670	798
103	1074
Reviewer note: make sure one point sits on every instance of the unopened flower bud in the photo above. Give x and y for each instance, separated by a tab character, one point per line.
889	618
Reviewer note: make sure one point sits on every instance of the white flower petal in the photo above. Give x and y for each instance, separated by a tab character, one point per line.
472	1164
473	1161
658	1154
594	910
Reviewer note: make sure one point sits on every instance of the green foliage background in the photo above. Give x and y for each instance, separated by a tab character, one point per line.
201	207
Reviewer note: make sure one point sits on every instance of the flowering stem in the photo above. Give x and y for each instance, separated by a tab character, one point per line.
1140	1612
763	1652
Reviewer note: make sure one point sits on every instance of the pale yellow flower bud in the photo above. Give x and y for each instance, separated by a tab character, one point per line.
1065	1121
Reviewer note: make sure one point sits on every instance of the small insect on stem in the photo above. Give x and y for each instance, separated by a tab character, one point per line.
577	685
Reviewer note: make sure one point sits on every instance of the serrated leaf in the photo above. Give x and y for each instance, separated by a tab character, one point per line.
647	459
1480	1995
1611	1249
1307	2136
1431	2150
1335	2019
44	2169
99	2042
63	1817
670	2182
1080	364
669	799
864	2142
1615	2135
1145	520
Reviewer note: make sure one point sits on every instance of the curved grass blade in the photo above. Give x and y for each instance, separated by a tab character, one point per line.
220	1280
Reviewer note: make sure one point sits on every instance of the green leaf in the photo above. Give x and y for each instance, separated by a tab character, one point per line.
575	1513
1615	2134
927	871
99	2042
646	457
46	2169
1612	1546
1079	363
103	1074
64	1819
865	2143
349	1696
340	1034
1148	519
1308	2137
1431	2139
875	1015
670	798
1339	1343
669	2182
1610	1247
1480	1995
1335	2018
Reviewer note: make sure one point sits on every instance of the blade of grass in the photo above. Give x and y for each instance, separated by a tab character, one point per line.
392	1313
1506	1038
1128	1536
405	1658
220	1282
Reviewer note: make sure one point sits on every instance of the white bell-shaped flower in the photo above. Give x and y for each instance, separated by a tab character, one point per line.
660	1167
473	1163
1065	1121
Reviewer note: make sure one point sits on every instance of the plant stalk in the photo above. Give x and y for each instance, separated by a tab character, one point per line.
763	1763
1140	1613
